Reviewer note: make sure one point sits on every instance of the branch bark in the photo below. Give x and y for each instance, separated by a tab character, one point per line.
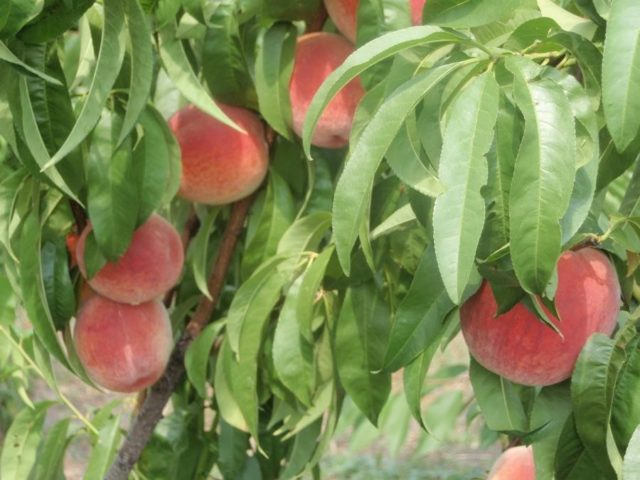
159	395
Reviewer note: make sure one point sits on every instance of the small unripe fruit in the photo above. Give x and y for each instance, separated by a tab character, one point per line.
317	55
151	265
219	164
123	348
344	14
515	463
519	347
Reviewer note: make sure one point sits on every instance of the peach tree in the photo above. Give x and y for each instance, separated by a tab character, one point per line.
250	211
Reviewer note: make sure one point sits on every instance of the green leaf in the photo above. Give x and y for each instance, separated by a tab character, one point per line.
614	163
179	70
28	128
274	64
303	236
631	465
304	445
8	56
224	66
498	399
592	389
57	282
543	176
104	450
292	353
307	296
16	14
567	20
420	316
112	193
359	343
501	160
104	76
353	191
621	72
227	405
233	447
466	14
56	18
269	221
51	452
253	301
366	57
197	356
33	293
141	66
199	247
21	442
413	381
458	215
572	460
625	415
153	169
403	156
550	411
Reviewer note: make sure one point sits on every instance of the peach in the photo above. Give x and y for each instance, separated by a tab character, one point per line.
317	55
515	463
344	14
151	265
124	348
219	164
520	347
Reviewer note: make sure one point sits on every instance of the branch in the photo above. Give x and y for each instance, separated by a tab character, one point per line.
159	395
79	215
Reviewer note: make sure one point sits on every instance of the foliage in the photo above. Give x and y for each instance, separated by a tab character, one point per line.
491	139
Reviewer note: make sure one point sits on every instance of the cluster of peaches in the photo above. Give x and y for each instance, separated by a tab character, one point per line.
123	335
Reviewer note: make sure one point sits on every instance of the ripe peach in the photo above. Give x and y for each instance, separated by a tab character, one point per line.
151	265
71	240
317	55
344	14
124	348
219	164
514	463
519	347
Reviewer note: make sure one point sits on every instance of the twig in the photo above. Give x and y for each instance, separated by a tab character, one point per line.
79	215
160	393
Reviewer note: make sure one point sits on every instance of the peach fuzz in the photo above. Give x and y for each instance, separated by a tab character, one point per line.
317	55
521	348
123	348
151	265
515	463
344	14
219	164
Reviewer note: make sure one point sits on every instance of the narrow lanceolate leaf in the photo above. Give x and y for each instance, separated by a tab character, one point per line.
353	192
621	72
104	76
421	315
364	58
51	452
360	336
196	359
631	465
543	176
592	391
141	66
104	450
8	56
21	442
458	215
587	153
498	399
292	353
413	381
35	143
32	285
179	70
465	14
274	64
